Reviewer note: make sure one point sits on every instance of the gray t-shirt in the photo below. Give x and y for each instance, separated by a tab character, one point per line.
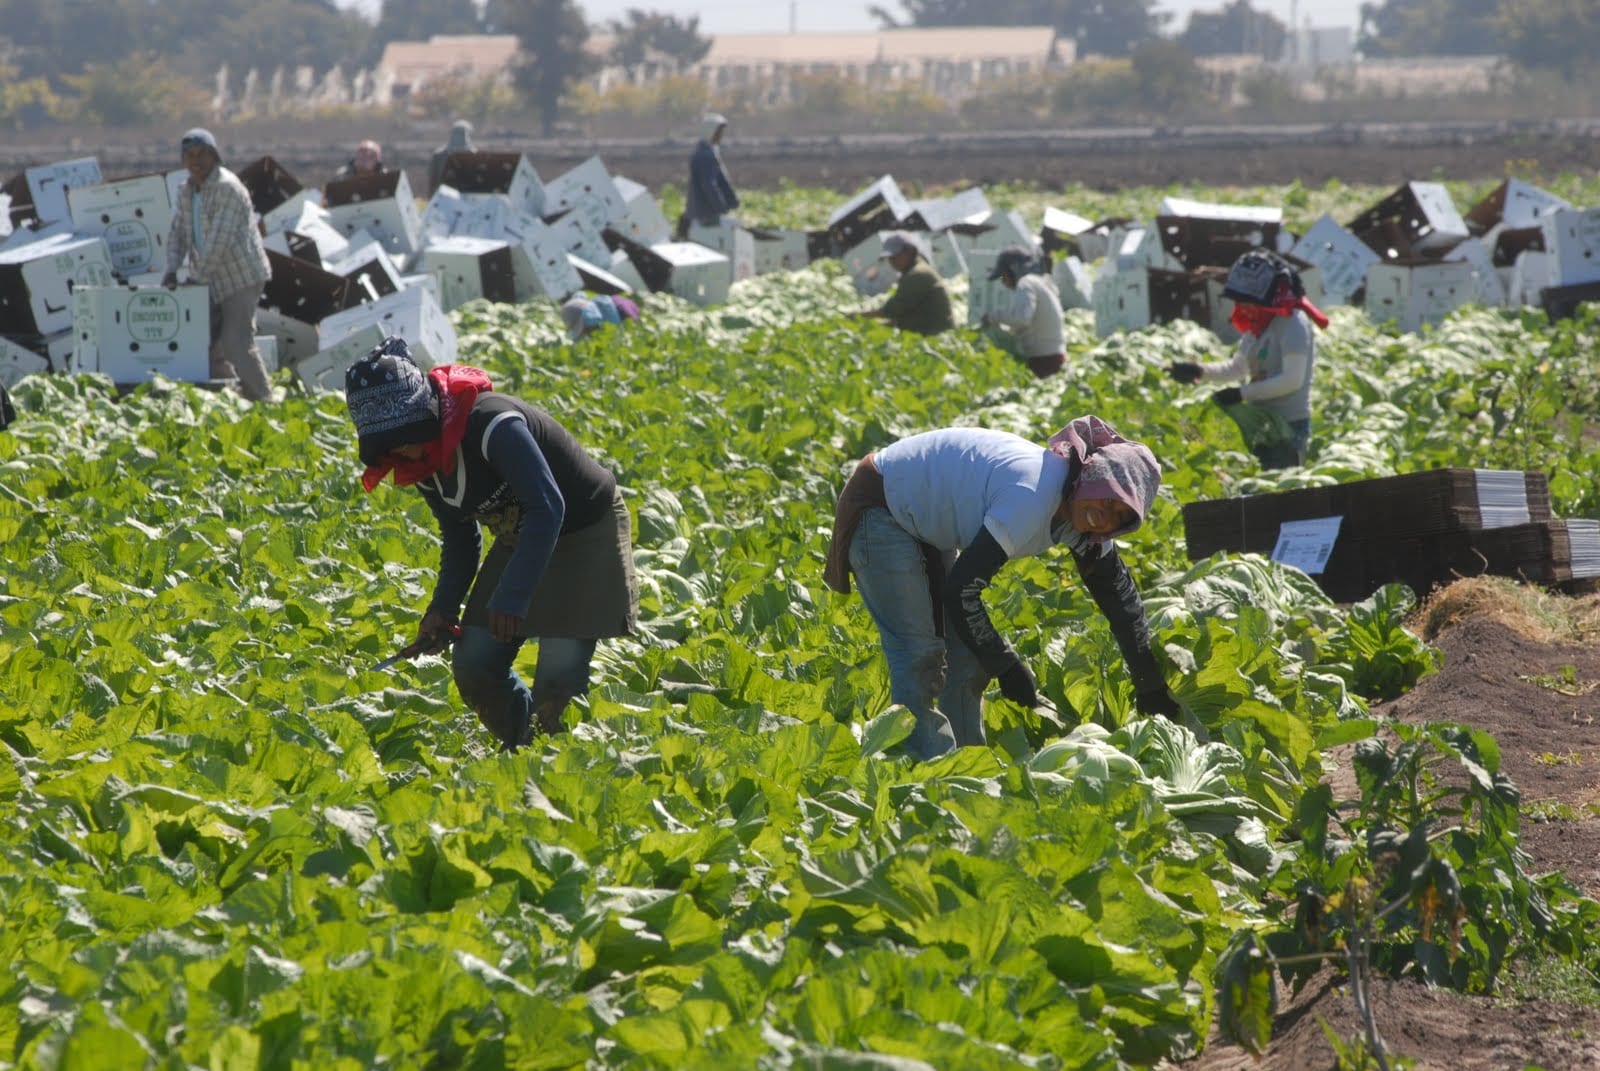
945	486
1277	367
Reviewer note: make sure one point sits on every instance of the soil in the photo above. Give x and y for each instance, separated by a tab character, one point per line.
1538	693
1107	159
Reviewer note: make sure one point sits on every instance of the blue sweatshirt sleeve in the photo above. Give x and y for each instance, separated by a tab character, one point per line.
460	547
517	458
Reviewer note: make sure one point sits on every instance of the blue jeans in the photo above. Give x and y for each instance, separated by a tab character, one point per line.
1287	455
937	678
507	707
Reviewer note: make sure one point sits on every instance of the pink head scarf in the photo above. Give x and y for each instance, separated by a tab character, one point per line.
1109	466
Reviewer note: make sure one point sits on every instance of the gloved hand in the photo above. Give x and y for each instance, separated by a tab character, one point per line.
1184	371
1228	396
434	632
1017	684
170	280
1157	701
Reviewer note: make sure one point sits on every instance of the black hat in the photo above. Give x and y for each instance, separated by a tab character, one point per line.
390	400
1013	260
1256	276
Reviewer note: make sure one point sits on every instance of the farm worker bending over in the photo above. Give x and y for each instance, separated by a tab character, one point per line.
1030	326
584	314
1275	357
920	302
214	229
561	567
710	193
991	496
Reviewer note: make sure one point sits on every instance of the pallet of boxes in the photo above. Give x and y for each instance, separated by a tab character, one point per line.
1422	529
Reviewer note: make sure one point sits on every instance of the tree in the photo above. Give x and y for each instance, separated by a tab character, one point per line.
643	34
1562	34
1432	27
1237	28
1104	27
418	20
554	54
1171	83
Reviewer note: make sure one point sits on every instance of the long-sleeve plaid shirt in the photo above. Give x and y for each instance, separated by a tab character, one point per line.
231	256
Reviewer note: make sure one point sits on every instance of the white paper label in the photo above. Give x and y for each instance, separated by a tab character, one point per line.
1306	544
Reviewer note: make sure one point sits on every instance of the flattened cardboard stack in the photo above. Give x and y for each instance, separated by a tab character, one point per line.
1420	529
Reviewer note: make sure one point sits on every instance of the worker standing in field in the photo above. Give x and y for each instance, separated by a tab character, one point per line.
1030	326
460	140
920	301
926	523
1276	356
709	195
561	566
367	160
213	228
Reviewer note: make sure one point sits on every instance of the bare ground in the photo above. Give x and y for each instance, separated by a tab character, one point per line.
1535	686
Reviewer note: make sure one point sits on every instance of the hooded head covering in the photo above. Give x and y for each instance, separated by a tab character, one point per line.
369	156
393	404
711	123
460	136
200	136
1109	466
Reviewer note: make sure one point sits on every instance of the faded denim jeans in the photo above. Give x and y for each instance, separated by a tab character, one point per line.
937	678
482	666
1287	455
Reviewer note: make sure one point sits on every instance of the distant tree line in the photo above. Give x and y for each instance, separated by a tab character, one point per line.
127	61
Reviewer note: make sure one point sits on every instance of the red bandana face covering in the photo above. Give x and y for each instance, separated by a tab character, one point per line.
458	387
1249	319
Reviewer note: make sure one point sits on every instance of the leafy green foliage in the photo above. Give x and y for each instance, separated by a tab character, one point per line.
228	842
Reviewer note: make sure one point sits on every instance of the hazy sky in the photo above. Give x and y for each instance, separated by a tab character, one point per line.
756	16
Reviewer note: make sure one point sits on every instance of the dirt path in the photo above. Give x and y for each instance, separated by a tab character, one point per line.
1540	698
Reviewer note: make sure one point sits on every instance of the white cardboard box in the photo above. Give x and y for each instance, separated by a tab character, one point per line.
1073	283
286	215
781	249
642	219
588	182
885	187
623	268
413	315
1572	238
1491	289
394	221
297	339
442	214
468	269
1417	294
870	273
1182	206
368	267
732	241
577	234
131	333
17	361
1142	248
325	369
947	259
32	234
941	213
1121	301
267	346
48	186
699	274
134	216
1530	275
1340	257
37	281
984	295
